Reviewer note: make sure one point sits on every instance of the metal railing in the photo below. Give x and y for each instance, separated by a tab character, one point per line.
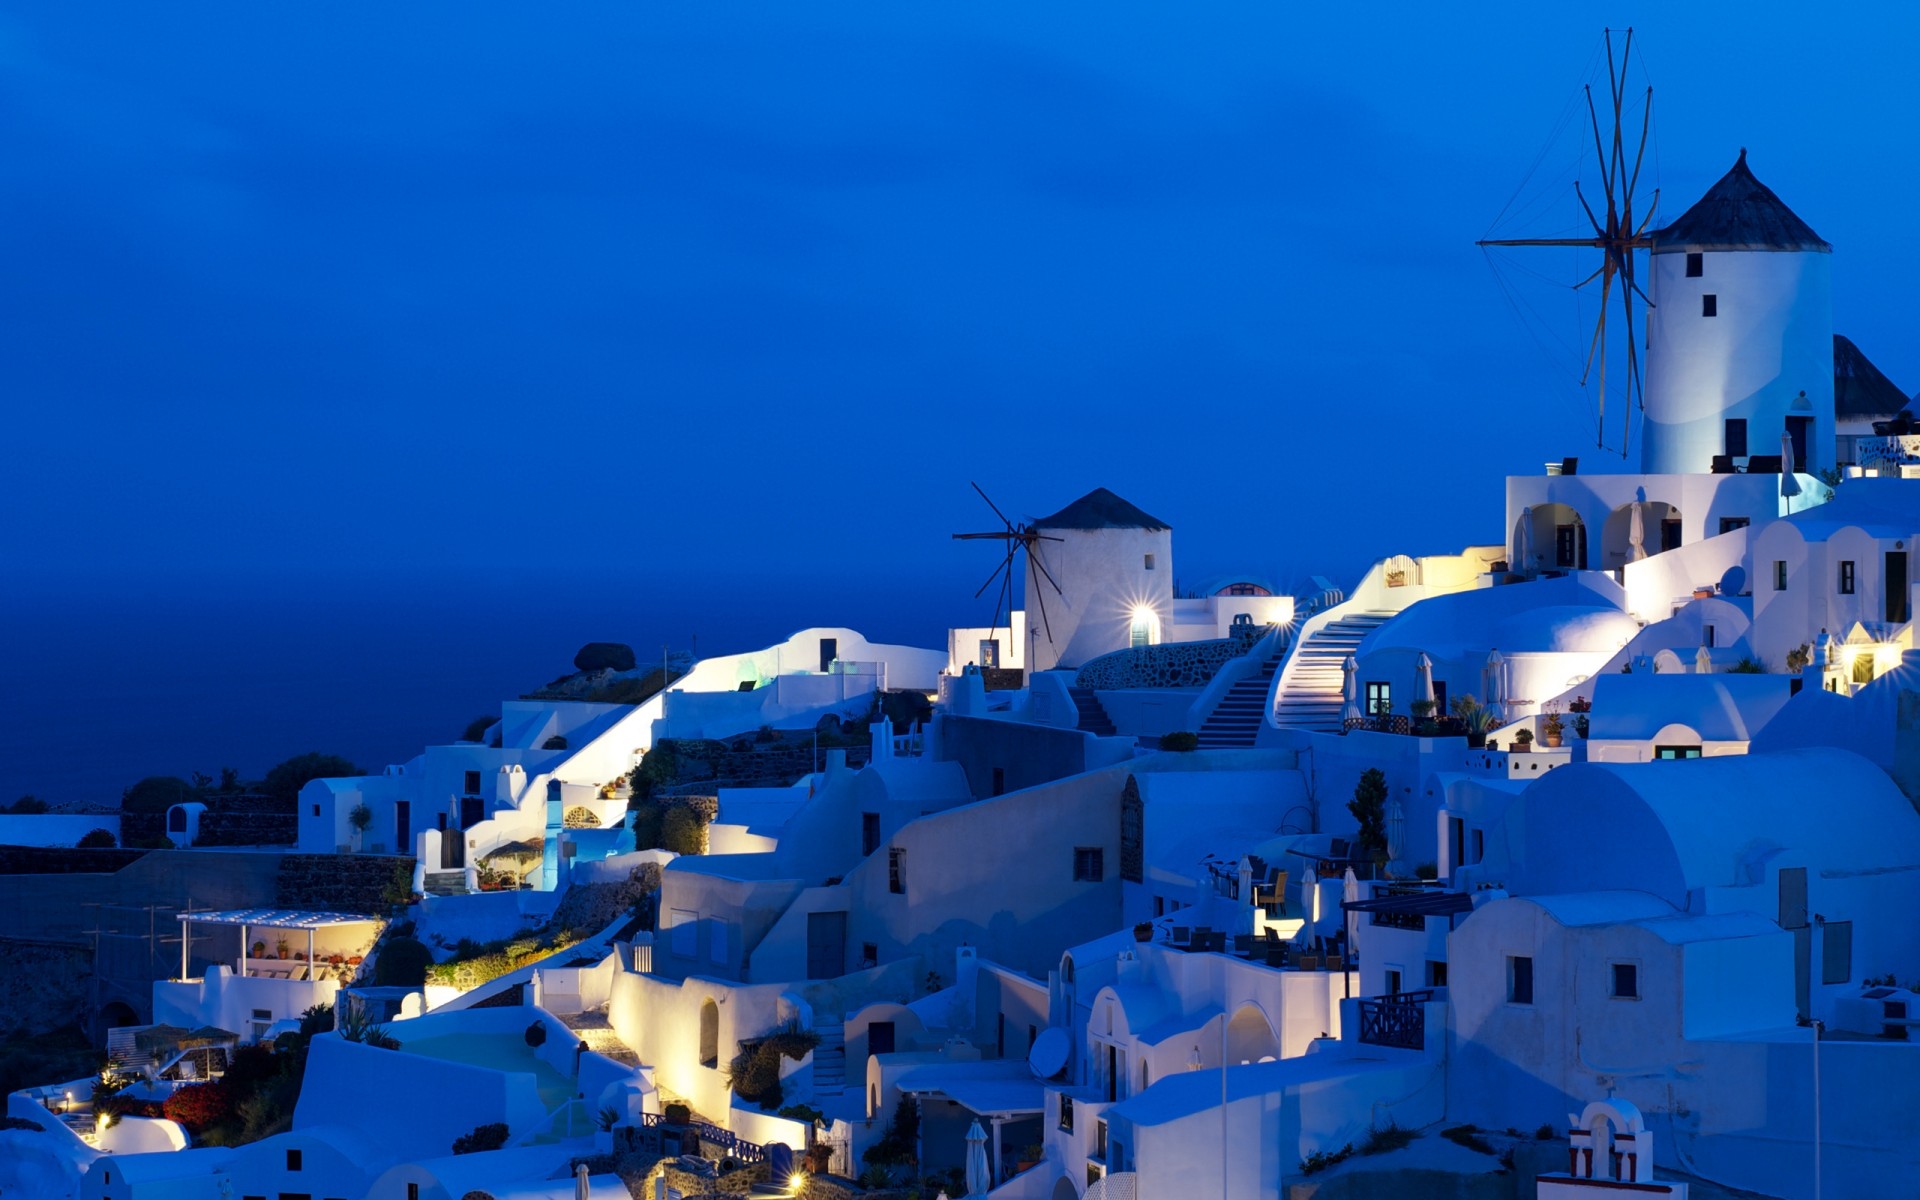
732	1145
1398	1020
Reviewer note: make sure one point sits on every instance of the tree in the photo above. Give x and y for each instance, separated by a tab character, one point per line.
683	830
97	839
477	728
403	962
156	794
284	782
604	656
200	1105
27	806
1369	808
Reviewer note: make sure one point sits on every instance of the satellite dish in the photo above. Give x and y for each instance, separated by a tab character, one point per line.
1049	1054
1734	582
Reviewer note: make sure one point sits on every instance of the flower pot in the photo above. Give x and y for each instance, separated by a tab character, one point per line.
1553	740
1523	747
1143	933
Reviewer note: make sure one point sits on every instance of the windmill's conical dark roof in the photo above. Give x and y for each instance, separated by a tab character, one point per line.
1738	213
1100	509
1859	387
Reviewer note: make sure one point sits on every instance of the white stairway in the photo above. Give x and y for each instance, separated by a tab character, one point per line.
1312	685
830	1060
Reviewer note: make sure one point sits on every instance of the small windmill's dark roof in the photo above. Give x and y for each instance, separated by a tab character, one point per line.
1859	387
1738	213
1100	509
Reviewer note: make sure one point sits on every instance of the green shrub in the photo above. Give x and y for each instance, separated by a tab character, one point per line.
491	1136
97	839
27	806
1320	1160
646	818
536	1034
556	742
1544	1133
474	963
683	830
402	962
477	728
19	1123
676	1114
156	794
1468	1136
1381	1141
1180	740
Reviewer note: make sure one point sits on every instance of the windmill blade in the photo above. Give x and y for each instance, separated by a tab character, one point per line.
1646	123
1005	602
1633	357
969	537
1035	560
1006	564
1598	228
1040	595
1652	205
1597	349
991	504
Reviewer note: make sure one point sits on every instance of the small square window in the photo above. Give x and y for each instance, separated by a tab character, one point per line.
1379	698
1519	979
1846	577
1436	973
293	1160
1729	524
1626	981
1149	562
1066	1113
1696	265
897	871
1709	305
1089	864
1779	574
316	810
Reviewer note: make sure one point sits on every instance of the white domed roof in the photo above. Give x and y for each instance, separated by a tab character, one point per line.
1565	628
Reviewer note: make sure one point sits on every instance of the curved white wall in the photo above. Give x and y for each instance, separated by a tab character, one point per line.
1771	339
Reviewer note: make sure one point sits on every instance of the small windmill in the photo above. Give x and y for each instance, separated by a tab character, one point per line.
1018	539
1616	234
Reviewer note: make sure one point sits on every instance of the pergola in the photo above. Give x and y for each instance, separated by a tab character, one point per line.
264	918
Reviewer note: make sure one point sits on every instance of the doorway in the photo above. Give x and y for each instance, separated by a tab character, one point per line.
1896	588
402	826
826	945
829	650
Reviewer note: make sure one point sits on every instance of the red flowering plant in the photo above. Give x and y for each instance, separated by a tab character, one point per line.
199	1106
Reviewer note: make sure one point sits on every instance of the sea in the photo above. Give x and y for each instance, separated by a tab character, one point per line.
101	686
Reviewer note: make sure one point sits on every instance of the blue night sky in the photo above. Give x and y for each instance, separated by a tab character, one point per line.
464	333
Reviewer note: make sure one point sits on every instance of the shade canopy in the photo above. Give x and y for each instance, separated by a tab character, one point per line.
278	918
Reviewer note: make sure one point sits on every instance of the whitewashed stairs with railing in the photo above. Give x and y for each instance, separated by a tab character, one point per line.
1313	687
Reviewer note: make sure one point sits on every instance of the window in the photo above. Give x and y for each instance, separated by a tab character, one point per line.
1736	437
897	871
473	783
869	833
1729	524
1099	1140
1846	577
1149	562
1436	974
1836	952
1779	574
1707	636
262	1021
1709	305
999	781
869	954
316	810
293	1160
1626	981
1066	1113
1670	533
1519	979
1379	698
1479	844
1675	752
1000	1035
1696	264
413	1191
686	932
1089	864
709	1034
1393	981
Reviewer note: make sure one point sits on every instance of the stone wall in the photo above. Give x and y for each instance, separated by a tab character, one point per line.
64	860
353	883
1170	665
249	820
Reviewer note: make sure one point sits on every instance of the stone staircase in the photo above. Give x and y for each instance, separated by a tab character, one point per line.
1235	721
1312	688
830	1059
1093	715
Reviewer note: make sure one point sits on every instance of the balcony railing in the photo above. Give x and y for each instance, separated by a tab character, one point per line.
1398	1020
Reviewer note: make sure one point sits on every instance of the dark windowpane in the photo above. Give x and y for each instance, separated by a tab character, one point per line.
1709	305
1519	979
1626	981
1696	265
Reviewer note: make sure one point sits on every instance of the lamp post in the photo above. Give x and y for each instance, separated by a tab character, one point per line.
1817	1027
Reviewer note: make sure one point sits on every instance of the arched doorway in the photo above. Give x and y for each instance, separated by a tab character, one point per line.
709	1034
1660	530
1063	1189
1250	1037
1549	537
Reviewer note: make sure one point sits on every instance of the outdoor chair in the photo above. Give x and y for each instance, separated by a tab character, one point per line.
1180	935
1276	956
1308	962
1243	945
1336	962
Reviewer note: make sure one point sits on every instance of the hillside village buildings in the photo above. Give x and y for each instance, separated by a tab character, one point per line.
1630	894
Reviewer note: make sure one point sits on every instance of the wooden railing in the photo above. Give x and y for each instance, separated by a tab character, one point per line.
1398	1020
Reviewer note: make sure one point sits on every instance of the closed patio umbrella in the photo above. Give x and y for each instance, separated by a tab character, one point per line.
1423	679
1637	527
1310	898
582	1190
1350	892
1523	542
979	1177
1789	486
1702	662
1494	679
1350	711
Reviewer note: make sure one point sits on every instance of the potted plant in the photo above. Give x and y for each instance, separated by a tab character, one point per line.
299	956
280	947
1143	932
1029	1158
359	816
1551	723
259	950
1580	707
1523	741
354	960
